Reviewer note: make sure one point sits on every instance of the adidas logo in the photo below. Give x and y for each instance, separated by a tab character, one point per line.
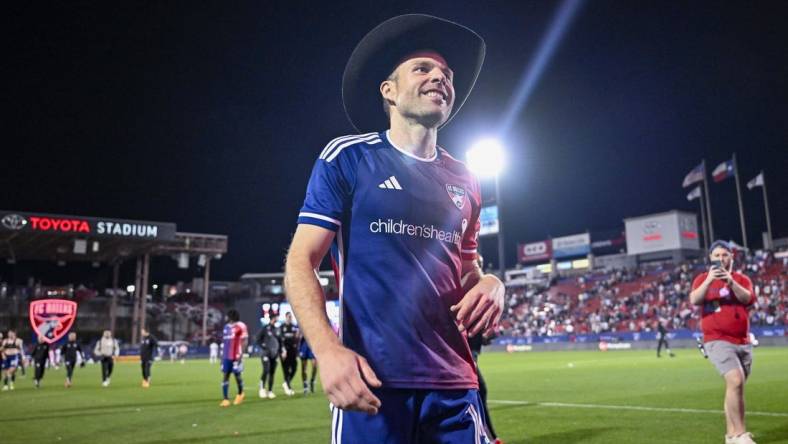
390	184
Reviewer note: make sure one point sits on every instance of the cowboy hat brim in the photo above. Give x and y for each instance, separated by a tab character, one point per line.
382	49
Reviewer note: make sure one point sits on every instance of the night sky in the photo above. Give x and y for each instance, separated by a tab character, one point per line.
211	114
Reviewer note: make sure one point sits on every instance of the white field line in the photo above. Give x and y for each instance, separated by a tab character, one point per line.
629	407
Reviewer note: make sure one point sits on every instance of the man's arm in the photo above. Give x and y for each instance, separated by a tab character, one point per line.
345	374
743	294
698	295
481	307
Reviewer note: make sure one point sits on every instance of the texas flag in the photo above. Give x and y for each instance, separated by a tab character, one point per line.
723	171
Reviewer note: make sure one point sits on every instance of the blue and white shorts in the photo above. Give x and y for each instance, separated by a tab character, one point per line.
414	416
11	362
232	366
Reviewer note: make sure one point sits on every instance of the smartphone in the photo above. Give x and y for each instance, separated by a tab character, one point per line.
716	264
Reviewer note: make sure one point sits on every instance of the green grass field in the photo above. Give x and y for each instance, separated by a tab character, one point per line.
551	397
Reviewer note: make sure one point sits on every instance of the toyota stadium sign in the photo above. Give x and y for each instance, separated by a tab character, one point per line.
88	226
673	230
535	251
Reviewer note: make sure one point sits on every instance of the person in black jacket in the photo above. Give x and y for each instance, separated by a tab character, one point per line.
148	348
72	352
270	341
40	356
290	337
662	338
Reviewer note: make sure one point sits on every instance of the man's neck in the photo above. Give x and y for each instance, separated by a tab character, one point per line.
414	138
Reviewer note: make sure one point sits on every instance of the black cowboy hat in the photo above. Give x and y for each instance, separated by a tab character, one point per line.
383	48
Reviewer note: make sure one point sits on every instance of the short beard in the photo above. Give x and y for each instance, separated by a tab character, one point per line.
427	120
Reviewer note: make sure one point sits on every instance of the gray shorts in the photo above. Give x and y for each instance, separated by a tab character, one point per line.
726	357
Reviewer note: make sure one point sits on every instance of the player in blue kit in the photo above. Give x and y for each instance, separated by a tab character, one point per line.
306	355
235	336
401	218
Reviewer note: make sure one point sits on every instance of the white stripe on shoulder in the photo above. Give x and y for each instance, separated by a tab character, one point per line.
321	217
468	251
336	141
331	145
331	155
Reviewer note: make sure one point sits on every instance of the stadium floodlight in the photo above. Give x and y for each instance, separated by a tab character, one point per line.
485	158
130	289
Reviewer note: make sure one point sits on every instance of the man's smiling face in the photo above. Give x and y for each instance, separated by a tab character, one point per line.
421	89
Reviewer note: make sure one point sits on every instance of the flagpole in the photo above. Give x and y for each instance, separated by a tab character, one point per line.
703	223
768	218
708	201
741	208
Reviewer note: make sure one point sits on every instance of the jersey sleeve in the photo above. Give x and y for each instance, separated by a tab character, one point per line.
745	282
698	280
328	194
243	332
470	238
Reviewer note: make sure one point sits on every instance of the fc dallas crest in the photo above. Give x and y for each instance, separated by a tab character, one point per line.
52	318
457	195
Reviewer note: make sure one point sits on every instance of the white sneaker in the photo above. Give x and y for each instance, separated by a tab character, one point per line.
5	388
286	389
12	386
271	395
105	383
262	393
744	438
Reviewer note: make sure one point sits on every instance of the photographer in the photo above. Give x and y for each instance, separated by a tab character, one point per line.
724	296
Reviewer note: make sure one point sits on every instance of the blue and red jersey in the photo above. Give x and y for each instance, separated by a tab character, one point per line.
403	226
233	336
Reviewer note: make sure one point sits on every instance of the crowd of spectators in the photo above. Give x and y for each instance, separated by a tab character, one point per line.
635	300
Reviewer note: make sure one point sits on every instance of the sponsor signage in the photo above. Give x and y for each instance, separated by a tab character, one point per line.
608	242
535	251
488	220
575	245
86	226
52	318
673	230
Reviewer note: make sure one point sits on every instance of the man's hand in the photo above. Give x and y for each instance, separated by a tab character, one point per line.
481	307
284	354
721	273
346	378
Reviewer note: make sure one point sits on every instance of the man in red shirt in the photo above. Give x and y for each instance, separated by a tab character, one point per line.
725	296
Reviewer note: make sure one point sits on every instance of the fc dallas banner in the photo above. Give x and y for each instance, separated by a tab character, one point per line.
52	318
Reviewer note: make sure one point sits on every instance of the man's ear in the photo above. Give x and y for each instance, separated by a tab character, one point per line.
388	90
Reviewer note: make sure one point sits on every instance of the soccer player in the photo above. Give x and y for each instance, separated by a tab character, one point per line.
183	350
662	337
306	355
40	356
270	341
724	296
148	348
12	353
106	349
213	357
403	217
72	353
290	336
234	336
